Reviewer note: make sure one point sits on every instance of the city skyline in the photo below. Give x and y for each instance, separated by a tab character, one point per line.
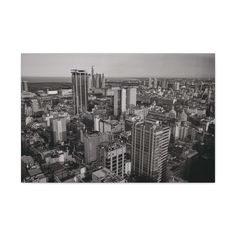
102	130
194	65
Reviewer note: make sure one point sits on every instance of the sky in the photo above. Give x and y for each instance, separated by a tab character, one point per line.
119	64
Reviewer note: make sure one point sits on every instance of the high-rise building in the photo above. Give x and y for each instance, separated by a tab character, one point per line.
184	131
80	90
172	113
150	82
119	101
149	150
176	130
176	85
91	141
98	78
164	84
155	83
131	97
181	131
93	81
48	119
112	156
59	130
24	86
103	82
96	123
89	82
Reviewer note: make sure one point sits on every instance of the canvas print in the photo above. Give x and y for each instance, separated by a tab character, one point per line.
117	118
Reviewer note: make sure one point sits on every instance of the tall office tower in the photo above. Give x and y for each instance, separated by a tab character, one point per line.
24	86
103	81
155	83
176	130
96	121
150	82
123	100
119	101
184	132
116	101
209	95
89	82
100	80
176	85
149	150
164	84
131	97
112	156
91	141
59	130
93	78
97	80
80	90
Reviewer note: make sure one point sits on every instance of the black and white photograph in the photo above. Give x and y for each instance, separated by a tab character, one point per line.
118	118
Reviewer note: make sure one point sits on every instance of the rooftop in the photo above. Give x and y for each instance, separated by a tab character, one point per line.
34	172
106	176
27	159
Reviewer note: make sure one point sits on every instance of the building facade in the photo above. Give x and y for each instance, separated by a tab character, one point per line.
80	90
112	156
59	130
149	150
119	101
24	86
91	141
131	97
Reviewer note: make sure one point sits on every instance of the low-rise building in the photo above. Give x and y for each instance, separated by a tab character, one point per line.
113	157
106	176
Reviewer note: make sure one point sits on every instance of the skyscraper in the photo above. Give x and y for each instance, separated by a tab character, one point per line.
80	90
59	130
99	81
176	85
119	101
90	82
149	150
24	86
93	80
97	77
155	83
103	81
131	97
150	82
91	141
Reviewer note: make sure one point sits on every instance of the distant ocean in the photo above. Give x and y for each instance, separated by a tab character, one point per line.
68	79
46	79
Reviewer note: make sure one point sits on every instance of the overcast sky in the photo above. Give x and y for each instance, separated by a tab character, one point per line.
119	64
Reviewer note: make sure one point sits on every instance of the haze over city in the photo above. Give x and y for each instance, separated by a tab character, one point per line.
118	65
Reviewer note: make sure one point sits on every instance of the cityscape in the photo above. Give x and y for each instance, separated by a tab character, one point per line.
108	125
